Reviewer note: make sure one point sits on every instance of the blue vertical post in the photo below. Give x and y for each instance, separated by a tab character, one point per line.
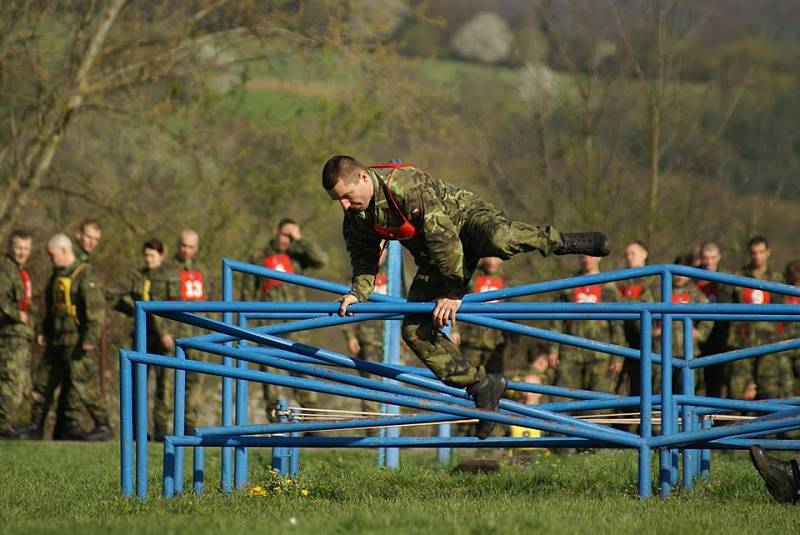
391	346
179	418
227	384
646	405
199	469
168	483
126	424
665	454
705	454
687	388
240	477
281	454
444	430
140	400
294	455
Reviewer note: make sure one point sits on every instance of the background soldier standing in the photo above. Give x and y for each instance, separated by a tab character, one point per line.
16	329
716	377
71	334
769	372
86	239
581	368
193	286
156	281
638	290
289	252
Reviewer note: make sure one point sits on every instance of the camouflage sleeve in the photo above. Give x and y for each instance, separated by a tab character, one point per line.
349	332
93	309
308	254
365	250
443	242
119	295
9	311
169	289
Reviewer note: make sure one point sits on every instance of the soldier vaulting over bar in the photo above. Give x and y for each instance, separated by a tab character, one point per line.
447	230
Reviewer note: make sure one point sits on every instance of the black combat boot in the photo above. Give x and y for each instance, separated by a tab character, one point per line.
31	431
71	430
588	243
102	432
781	477
487	394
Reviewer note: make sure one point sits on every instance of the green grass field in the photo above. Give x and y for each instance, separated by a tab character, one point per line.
73	488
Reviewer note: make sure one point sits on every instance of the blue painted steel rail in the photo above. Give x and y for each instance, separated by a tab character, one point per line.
685	427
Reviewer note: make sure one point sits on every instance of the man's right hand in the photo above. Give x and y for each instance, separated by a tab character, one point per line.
353	346
41	341
552	359
24	318
345	301
168	342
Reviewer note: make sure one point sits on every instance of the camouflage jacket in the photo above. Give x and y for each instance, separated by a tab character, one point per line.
76	316
475	336
635	290
80	255
12	297
160	284
437	210
686	293
301	255
748	334
599	330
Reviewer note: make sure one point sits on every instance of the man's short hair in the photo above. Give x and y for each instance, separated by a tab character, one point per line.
286	221
86	223
641	244
60	241
155	244
758	240
709	246
338	167
19	234
792	273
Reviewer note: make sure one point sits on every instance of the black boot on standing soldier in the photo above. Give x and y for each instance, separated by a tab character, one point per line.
487	394
588	243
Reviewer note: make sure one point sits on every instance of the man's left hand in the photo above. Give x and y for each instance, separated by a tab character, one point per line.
445	311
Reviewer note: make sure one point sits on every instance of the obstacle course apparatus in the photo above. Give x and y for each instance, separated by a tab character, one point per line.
690	425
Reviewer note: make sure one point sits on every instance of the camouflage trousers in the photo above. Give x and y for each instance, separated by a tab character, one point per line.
579	369
15	377
487	232
75	371
772	374
163	400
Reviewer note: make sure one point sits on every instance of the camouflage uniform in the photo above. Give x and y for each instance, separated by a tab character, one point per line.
681	294
160	284
302	254
581	368
73	317
788	331
481	346
15	340
454	229
369	335
771	373
634	290
193	285
716	377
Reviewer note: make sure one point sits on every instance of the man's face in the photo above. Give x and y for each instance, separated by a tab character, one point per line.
679	280
187	246
710	259
20	250
59	257
88	237
491	264
635	255
759	254
152	259
355	194
590	264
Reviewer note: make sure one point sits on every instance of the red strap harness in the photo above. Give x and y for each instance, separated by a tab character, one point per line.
407	229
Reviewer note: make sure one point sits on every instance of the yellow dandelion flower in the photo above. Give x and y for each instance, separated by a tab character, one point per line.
277	489
288	481
257	491
304	492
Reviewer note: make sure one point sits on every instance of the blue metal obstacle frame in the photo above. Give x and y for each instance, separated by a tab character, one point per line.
687	428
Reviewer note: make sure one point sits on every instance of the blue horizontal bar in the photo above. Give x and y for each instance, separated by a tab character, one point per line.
748	352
